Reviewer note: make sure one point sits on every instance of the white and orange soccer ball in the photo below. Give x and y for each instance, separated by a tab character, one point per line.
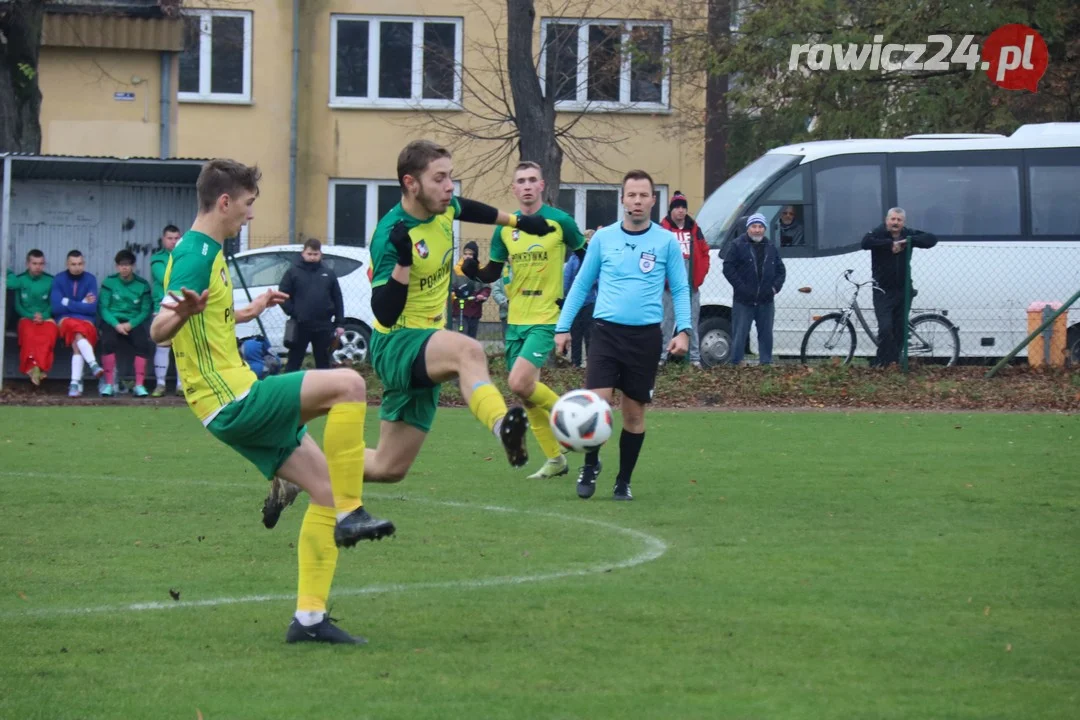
581	420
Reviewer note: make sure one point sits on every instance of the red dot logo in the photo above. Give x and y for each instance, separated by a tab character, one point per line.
1015	57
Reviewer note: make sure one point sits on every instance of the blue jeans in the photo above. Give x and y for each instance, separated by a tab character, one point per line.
741	317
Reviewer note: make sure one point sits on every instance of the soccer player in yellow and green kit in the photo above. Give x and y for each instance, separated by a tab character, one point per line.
265	420
412	252
534	292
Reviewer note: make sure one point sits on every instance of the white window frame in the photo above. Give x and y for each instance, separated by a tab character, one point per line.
582	103
579	200
205	54
371	217
416	100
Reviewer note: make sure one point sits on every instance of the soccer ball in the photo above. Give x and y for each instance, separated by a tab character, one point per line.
581	420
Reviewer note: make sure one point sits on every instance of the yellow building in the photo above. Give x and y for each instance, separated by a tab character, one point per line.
218	80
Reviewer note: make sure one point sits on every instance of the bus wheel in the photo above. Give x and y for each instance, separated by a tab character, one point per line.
715	340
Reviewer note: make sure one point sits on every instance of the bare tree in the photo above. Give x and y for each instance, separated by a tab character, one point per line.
509	110
20	95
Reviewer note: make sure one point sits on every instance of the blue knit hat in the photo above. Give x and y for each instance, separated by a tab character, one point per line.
756	218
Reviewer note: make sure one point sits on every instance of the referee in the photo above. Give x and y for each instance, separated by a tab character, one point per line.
631	260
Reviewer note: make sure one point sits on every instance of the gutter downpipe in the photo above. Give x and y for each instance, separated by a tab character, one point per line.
166	104
5	238
294	119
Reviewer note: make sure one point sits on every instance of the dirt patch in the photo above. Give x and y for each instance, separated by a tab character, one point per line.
790	386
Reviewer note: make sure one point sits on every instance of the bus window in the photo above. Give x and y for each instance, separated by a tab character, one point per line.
953	200
1054	192
730	201
847	202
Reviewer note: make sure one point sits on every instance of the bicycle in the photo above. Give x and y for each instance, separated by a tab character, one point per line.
930	334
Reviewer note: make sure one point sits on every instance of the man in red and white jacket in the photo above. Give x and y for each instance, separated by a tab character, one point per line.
695	252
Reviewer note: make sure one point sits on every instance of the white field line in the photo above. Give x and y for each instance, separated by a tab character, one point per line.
654	547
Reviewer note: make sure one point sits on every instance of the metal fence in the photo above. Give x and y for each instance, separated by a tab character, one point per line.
971	303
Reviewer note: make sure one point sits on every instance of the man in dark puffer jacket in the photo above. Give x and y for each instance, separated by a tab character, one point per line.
756	273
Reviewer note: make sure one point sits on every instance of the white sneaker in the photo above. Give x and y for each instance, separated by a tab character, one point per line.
554	467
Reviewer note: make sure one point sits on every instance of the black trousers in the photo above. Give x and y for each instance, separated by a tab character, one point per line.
889	309
320	337
580	332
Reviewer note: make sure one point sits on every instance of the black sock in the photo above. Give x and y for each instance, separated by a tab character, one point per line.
592	457
629	449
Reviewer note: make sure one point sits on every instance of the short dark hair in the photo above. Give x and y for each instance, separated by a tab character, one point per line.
224	177
313	243
528	165
416	156
124	257
169	229
35	253
638	175
74	253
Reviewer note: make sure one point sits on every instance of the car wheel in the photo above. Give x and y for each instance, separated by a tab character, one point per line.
352	346
715	340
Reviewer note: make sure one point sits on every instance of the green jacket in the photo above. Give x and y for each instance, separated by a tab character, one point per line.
158	262
31	294
121	301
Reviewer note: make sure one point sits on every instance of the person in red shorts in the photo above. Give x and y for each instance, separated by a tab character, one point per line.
74	305
37	331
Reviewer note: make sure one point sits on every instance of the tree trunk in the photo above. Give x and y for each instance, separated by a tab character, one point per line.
533	113
716	109
20	96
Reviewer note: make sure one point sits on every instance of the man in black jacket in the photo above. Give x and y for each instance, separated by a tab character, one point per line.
753	267
314	305
888	246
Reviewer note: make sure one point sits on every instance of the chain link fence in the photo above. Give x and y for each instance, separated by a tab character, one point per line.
970	303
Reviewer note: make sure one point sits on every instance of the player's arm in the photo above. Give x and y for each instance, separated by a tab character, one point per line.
186	295
482	214
258	306
590	271
105	305
470	267
388	297
145	304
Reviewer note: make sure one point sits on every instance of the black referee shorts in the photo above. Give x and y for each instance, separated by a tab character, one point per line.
624	357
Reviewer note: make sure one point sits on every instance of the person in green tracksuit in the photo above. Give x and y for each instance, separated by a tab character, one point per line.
37	330
158	262
124	305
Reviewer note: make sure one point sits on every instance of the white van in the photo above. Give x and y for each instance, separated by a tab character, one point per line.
1006	211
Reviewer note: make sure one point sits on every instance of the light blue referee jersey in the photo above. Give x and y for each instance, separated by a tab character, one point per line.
631	268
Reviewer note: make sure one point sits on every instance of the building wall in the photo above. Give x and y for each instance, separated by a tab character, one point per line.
81	117
80	114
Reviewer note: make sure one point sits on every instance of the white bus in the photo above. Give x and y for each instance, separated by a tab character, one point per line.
1006	211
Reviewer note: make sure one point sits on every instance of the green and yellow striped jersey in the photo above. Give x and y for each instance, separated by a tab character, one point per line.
207	358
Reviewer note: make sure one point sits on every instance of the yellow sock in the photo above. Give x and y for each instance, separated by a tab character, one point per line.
343	443
540	422
318	555
542	397
487	404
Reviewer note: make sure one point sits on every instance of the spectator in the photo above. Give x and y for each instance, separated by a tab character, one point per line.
74	304
468	295
696	254
791	230
581	328
887	244
159	262
315	306
756	273
125	306
36	330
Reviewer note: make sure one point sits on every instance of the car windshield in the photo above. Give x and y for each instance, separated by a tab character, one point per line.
730	200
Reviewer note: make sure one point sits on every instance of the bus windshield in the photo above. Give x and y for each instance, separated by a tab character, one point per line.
728	201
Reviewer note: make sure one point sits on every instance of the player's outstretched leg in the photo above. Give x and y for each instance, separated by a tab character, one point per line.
451	354
539	399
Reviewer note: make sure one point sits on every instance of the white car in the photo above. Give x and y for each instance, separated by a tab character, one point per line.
255	271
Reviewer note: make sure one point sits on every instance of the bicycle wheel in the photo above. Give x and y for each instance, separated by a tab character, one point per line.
933	338
831	336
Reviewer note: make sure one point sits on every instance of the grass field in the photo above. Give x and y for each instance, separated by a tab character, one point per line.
772	565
